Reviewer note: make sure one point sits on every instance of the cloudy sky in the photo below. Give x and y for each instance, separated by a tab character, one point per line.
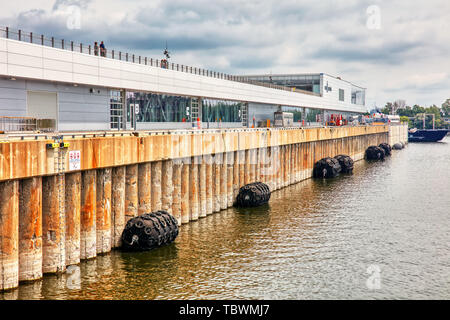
396	49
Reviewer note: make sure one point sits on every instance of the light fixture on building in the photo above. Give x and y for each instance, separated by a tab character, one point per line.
75	85
12	78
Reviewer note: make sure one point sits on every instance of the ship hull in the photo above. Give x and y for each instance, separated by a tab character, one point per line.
427	135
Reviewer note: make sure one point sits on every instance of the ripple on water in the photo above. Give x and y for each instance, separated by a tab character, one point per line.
314	240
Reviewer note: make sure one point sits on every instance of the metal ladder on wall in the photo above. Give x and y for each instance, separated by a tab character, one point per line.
194	111
244	114
59	165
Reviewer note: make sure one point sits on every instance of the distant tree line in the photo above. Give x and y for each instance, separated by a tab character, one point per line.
413	117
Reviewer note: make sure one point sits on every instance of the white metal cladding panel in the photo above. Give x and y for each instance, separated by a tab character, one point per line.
82	109
64	76
58	65
3	57
57	54
87	70
3	44
13	98
333	96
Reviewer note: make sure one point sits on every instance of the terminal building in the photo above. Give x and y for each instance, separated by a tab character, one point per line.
57	85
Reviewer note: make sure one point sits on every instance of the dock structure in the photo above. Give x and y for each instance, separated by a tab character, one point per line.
56	210
88	142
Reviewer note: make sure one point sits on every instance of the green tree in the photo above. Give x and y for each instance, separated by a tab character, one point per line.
407	120
387	108
446	107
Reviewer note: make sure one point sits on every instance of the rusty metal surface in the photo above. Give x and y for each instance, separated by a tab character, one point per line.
27	158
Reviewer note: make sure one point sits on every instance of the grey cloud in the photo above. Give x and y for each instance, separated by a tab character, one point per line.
257	36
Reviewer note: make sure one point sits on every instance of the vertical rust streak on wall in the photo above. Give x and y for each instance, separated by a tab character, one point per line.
235	174
88	235
242	159
185	211
176	195
156	185
268	168
9	234
72	213
144	188
247	167
209	184
53	225
167	185
117	205
217	169
223	181
131	192
202	187
103	211
262	164
30	229
193	186
230	164
257	158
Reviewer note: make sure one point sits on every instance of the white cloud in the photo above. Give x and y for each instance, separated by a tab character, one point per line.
406	59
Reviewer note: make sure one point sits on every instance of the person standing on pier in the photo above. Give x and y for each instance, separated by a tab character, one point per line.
102	49
96	48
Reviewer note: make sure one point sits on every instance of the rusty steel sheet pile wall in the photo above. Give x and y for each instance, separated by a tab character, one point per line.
29	158
190	174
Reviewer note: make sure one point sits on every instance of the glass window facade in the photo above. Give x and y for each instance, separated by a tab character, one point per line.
160	107
297	111
358	96
221	110
307	82
341	94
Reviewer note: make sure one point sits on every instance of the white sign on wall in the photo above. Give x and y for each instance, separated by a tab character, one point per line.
74	160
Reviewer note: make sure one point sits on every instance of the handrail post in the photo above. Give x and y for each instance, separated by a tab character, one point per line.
7	32
53	42
42	39
120	55
89	49
62	44
112	53
71	45
31	37
81	48
20	35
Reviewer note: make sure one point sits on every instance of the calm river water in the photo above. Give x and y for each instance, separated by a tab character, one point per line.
383	232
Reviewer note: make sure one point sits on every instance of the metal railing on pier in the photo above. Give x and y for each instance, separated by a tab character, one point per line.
30	37
18	124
